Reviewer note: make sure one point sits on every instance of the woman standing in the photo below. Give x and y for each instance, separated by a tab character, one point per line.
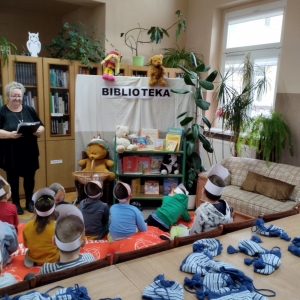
19	153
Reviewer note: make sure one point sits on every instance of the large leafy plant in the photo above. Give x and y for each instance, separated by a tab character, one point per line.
176	56
235	102
194	130
74	43
268	134
134	36
6	48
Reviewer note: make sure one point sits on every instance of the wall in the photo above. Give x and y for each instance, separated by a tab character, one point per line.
205	22
120	17
15	24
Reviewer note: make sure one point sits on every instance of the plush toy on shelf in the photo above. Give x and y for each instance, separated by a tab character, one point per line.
157	71
123	139
96	151
112	65
169	164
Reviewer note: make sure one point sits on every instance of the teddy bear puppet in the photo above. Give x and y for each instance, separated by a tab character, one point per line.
123	139
111	65
157	71
96	151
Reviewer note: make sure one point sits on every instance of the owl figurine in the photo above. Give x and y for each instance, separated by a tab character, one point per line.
33	44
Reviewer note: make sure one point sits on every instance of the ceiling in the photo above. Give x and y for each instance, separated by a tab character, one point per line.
48	6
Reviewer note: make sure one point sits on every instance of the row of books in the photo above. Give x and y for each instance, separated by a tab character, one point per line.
25	73
30	100
149	139
59	103
59	126
140	164
59	78
151	186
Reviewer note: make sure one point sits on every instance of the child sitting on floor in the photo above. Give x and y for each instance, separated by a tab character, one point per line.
214	210
69	238
60	193
8	242
95	212
8	211
5	278
125	219
173	206
37	234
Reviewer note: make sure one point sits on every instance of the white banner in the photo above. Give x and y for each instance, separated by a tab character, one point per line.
97	113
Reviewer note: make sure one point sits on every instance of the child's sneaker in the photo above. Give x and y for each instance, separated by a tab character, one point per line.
165	237
28	262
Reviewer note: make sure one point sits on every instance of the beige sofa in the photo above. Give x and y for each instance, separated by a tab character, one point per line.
254	204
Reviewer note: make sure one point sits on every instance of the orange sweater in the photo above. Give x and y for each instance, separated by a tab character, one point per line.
40	246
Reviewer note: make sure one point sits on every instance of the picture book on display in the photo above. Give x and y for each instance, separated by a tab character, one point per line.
177	131
141	143
130	164
159	144
151	187
150	134
155	163
171	145
173	137
143	164
169	185
135	186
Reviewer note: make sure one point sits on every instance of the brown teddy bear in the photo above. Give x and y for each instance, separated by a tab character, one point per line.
157	71
97	151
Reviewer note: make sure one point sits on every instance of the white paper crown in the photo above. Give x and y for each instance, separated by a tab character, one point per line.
220	171
179	189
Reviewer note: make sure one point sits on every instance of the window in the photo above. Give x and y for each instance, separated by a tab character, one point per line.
257	33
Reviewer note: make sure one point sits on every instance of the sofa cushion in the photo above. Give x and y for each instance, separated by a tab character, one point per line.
270	187
290	174
239	167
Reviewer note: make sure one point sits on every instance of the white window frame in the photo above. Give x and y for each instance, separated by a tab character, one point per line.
263	50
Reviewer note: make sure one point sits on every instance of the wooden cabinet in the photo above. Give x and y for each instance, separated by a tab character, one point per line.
147	176
138	71
59	88
79	68
60	162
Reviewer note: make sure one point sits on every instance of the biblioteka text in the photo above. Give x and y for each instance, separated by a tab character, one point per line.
135	92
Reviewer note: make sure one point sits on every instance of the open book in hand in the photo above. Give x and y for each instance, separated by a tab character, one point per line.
27	128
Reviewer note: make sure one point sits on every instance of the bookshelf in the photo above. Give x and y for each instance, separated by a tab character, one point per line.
84	70
138	71
118	159
59	82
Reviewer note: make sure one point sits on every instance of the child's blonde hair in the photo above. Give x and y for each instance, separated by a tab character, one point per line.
68	229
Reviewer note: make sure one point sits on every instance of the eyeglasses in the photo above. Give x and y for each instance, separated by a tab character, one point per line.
16	96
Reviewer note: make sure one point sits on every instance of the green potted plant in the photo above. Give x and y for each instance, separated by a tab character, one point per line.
176	56
6	48
268	134
235	102
194	131
133	37
73	43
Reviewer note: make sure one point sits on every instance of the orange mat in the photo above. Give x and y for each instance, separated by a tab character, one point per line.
99	248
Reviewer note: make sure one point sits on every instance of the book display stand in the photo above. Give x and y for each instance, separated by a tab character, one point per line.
152	185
